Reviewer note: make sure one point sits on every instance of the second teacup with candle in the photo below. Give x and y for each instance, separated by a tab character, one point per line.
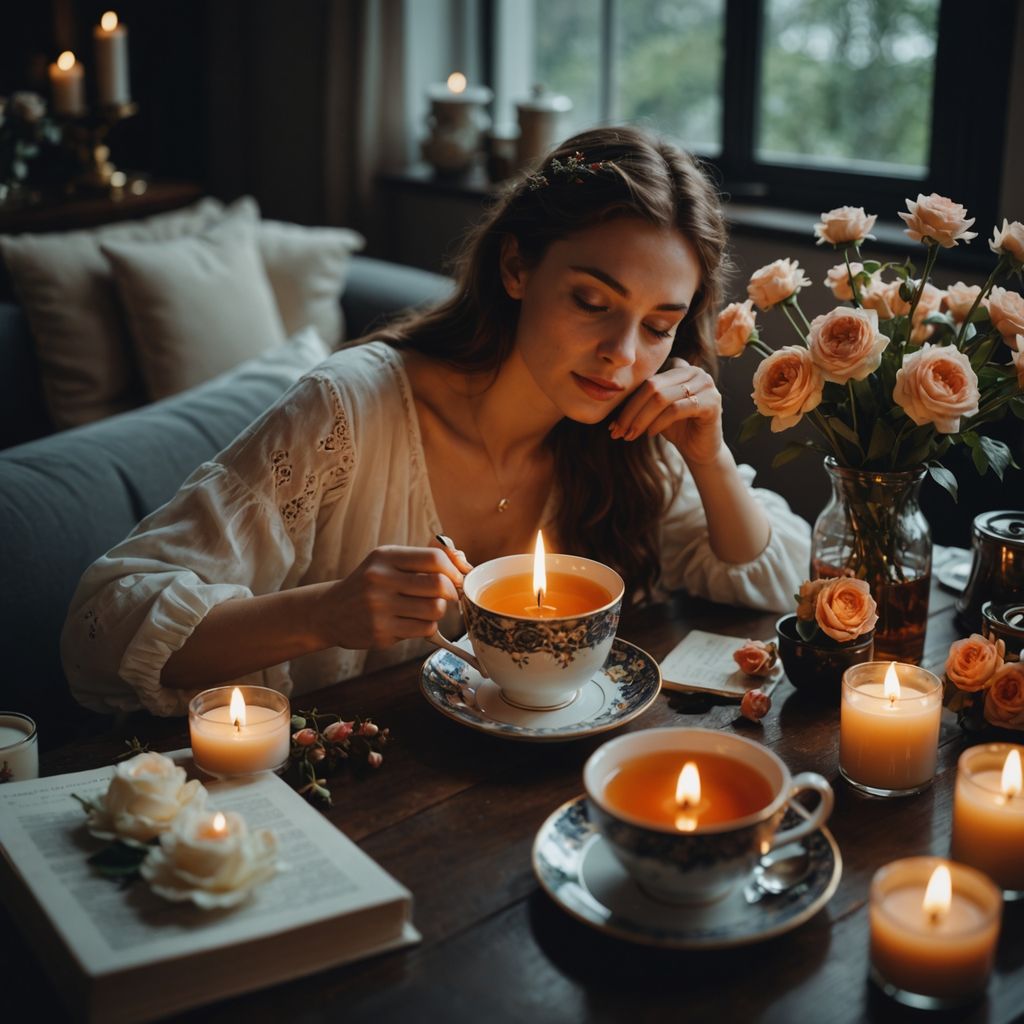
540	625
688	812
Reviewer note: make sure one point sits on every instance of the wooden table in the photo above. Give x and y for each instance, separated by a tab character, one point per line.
453	813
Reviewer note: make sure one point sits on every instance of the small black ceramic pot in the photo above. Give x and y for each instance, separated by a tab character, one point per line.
816	669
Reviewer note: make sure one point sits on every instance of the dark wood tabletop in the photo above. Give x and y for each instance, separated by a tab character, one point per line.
453	813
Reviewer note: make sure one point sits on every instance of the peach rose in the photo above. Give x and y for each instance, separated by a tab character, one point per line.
939	219
936	384
775	283
1006	311
960	298
1017	355
1004	702
845	224
973	662
845	609
755	705
786	385
930	302
838	280
807	599
846	343
1009	240
877	295
734	328
756	657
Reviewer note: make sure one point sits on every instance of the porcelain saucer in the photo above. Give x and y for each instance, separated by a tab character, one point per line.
627	684
575	866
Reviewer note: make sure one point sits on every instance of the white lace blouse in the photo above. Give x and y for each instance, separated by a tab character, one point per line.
331	471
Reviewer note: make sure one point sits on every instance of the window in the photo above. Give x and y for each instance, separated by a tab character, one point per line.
806	104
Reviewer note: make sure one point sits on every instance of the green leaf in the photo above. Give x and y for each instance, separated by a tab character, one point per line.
980	357
944	478
118	860
996	453
883	437
872	266
790	452
1017	408
980	459
970	438
843	430
806	628
751	426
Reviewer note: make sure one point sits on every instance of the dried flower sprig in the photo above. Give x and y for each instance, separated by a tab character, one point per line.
323	744
574	171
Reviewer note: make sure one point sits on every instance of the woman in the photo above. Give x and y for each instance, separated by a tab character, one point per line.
565	384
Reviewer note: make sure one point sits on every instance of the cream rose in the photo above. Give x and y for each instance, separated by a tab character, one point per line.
930	302
845	224
1006	311
939	219
756	658
845	609
775	283
838	280
974	661
144	798
1009	240
936	384
846	343
211	859
786	385
734	327
960	298
1004	702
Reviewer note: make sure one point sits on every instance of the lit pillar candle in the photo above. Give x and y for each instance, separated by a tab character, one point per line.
19	748
67	88
110	46
988	814
934	928
239	730
889	727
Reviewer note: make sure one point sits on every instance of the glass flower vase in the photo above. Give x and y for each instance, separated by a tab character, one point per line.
873	528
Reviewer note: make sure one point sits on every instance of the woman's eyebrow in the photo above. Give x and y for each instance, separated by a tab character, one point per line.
617	286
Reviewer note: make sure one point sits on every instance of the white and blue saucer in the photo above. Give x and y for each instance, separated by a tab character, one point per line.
621	689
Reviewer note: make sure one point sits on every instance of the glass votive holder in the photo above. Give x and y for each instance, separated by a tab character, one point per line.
988	815
252	735
19	747
927	955
1004	622
889	715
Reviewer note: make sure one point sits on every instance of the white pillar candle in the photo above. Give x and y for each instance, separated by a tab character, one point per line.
889	727
988	815
933	949
110	45
19	748
239	739
67	85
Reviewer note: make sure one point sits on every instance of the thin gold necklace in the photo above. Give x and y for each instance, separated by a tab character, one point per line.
503	500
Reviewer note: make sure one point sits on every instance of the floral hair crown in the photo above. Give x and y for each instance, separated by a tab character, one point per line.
574	171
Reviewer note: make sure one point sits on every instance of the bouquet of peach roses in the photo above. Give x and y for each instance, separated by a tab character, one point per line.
984	686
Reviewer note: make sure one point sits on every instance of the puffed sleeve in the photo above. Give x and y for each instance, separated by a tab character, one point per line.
767	582
242	524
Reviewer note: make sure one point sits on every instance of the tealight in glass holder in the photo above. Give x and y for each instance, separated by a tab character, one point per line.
240	730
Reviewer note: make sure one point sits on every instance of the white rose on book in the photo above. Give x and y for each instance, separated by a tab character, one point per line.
210	858
144	798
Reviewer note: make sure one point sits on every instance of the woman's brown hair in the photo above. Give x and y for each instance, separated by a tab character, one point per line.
611	496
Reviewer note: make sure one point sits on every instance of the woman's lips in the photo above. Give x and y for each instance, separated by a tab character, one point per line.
601	390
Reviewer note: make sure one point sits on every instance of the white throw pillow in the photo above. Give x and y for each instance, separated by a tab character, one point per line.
63	282
307	268
196	306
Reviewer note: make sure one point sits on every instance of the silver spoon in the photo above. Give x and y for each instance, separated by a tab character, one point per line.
778	872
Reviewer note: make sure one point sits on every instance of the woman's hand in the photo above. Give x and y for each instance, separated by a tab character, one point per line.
682	403
395	594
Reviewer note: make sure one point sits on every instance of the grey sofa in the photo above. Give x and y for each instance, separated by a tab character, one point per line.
65	498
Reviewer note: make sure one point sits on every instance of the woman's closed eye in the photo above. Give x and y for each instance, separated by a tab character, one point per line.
595	307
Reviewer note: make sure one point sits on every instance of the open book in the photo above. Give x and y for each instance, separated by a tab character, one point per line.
125	955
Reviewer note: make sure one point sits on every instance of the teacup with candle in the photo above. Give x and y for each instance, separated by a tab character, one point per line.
934	928
541	625
988	814
688	812
239	730
19	747
889	728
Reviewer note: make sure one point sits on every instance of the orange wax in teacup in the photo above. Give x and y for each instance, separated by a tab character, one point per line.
645	789
565	595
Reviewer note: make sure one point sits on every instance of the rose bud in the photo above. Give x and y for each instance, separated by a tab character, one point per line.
756	658
374	759
317	754
304	738
368	729
338	731
298	722
755	705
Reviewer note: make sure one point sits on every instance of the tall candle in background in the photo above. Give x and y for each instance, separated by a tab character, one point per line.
988	814
110	43
67	85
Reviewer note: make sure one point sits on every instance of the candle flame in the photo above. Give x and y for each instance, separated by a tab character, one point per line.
891	686
219	822
1012	781
66	61
688	786
109	21
456	82
540	577
237	709
939	894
